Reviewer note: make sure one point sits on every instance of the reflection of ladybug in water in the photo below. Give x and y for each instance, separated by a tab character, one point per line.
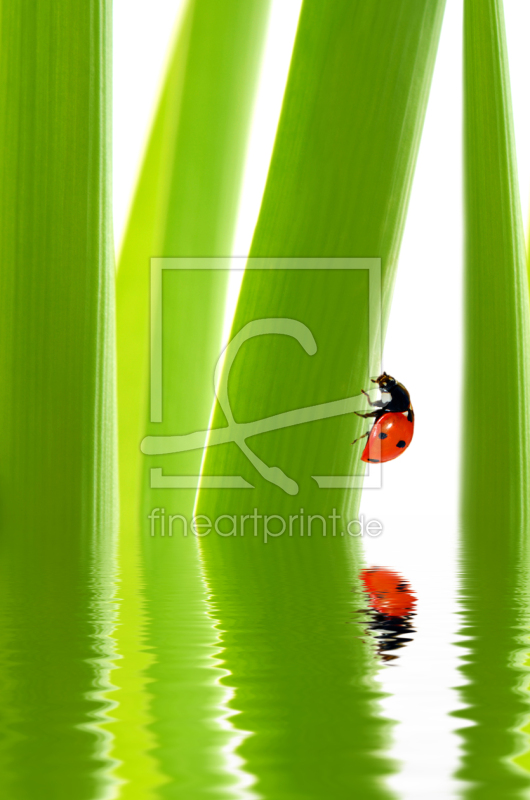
392	609
393	428
389	593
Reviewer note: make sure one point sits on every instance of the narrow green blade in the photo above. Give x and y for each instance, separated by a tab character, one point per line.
186	204
338	187
495	449
57	480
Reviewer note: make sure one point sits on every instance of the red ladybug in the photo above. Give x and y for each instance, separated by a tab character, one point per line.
393	428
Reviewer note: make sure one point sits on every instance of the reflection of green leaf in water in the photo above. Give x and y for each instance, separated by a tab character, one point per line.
167	731
338	186
495	477
57	482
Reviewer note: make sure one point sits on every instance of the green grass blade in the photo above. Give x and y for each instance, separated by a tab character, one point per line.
57	403
495	451
338	186
186	204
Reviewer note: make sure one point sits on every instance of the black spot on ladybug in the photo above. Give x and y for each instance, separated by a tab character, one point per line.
383	435
374	460
401	444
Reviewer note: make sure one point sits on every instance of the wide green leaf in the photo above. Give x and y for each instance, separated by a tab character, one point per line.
57	471
186	203
495	448
338	187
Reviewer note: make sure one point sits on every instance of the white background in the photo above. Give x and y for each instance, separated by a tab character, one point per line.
419	500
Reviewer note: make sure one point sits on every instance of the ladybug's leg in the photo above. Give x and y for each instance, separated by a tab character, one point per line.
375	403
376	414
361	437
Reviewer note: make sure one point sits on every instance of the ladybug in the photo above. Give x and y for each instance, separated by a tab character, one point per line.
393	428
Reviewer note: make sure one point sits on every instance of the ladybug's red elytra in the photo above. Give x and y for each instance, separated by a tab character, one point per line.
393	428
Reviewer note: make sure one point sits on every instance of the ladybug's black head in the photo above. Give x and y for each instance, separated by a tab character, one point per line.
385	382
